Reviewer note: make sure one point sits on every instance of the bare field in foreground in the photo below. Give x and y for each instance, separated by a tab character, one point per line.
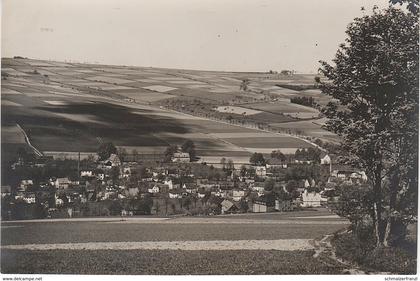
168	262
241	234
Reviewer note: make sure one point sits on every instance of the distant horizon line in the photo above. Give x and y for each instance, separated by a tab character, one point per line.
169	68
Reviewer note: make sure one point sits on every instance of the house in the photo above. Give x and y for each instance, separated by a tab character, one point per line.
154	189
110	194
6	190
29	198
311	199
120	196
132	191
59	201
261	207
25	184
40	162
349	175
248	180
216	193
90	196
181	157
326	160
358	176
86	173
112	161
261	171
312	183
175	194
20	162
228	207
126	172
100	176
223	193
259	189
62	183
201	195
189	188
263	204
237	195
303	161
169	183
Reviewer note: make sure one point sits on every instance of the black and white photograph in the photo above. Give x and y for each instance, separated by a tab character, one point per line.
209	138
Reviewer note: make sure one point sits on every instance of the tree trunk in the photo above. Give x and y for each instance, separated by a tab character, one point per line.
376	221
387	234
377	206
393	188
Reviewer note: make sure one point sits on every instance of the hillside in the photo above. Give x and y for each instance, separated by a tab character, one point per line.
70	107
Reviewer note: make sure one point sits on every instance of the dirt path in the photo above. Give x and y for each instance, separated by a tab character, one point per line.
325	251
37	152
279	245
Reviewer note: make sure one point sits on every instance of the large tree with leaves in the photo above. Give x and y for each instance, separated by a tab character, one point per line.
374	85
105	150
189	147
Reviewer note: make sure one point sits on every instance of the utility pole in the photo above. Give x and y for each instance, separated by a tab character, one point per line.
78	166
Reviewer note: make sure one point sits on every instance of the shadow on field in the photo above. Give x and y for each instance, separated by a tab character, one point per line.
109	122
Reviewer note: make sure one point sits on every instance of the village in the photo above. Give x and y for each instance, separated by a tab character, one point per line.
119	184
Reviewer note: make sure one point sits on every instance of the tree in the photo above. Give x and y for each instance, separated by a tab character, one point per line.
243	171
292	186
114	173
269	184
186	202
244	85
188	146
115	208
230	166
257	159
169	152
277	154
135	154
105	150
223	163
374	80
313	154
122	153
22	154
412	5
243	206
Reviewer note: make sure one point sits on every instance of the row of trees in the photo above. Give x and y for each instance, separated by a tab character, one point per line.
307	101
304	154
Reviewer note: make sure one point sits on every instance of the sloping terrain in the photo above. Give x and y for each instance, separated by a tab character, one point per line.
67	107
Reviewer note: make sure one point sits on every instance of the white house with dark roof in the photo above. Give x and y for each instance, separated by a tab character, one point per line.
24	184
112	161
326	160
261	171
311	199
154	189
62	183
181	157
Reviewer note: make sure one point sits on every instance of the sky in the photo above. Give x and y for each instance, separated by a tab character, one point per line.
225	35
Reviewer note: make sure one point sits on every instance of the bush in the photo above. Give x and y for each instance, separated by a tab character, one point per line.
105	212
360	249
350	248
393	260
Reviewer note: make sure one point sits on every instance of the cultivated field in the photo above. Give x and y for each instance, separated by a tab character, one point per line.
276	243
74	107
